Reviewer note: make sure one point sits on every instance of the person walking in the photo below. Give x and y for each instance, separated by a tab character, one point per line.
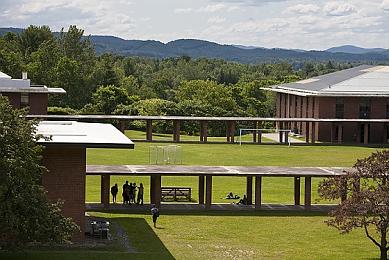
140	194
114	192
155	213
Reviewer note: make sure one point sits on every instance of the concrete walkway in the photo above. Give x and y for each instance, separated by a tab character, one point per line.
276	138
215	207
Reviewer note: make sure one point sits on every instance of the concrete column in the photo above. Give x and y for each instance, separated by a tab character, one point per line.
203	131
155	189
307	132
122	126
296	190
105	189
208	192
176	130
149	130
308	191
249	189
313	133
258	192
366	134
340	134
286	139
201	189
230	131
281	133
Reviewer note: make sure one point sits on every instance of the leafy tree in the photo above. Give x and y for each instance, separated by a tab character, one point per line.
367	204
26	215
32	37
107	98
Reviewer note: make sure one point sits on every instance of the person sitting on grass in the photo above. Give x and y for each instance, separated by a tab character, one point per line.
155	213
244	201
232	196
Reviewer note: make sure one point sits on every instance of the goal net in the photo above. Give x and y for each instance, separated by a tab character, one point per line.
165	154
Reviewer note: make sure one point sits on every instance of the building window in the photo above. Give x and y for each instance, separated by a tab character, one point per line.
364	108
24	100
339	109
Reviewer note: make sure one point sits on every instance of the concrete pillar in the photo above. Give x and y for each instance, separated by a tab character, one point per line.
208	192
366	134
122	126
258	192
313	132
307	132
230	131
105	189
155	189
286	138
281	133
149	130
249	189
340	134
203	131
176	130
297	190
201	189
308	191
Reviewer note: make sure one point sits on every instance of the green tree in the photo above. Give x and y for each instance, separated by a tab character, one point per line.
107	98
32	37
26	215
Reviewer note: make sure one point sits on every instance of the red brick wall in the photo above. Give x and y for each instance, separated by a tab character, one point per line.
66	180
326	109
38	103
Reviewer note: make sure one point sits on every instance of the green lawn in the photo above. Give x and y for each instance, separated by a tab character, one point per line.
264	235
275	190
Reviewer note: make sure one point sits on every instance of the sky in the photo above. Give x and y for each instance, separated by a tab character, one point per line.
310	24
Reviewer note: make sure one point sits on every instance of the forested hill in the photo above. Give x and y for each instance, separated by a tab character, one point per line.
200	48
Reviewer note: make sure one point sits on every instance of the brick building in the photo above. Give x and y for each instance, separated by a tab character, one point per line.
357	93
65	158
21	93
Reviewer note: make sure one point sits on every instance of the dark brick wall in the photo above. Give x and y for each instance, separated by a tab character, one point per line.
66	181
38	103
14	99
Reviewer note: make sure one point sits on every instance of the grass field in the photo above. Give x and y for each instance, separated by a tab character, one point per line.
275	190
261	235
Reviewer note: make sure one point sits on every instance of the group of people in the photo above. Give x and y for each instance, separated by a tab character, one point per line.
131	193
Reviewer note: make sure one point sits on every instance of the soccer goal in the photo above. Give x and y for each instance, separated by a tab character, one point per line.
275	135
165	154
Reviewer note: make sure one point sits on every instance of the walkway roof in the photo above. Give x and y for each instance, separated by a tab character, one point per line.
85	134
180	170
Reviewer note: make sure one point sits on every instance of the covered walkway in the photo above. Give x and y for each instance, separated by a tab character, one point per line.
253	174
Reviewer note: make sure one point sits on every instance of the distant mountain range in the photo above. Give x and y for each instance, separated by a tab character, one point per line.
238	53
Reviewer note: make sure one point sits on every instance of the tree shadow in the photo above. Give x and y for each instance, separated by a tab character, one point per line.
142	237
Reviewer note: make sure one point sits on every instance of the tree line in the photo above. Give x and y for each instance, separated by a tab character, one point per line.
112	84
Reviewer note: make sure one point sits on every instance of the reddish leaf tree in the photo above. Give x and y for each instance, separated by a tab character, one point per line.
365	199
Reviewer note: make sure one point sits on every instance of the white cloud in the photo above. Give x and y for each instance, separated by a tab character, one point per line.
213	8
339	8
302	9
216	19
182	10
385	5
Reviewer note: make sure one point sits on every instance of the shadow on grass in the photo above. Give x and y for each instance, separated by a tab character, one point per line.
141	237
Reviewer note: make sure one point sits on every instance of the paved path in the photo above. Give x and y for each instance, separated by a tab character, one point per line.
214	207
275	137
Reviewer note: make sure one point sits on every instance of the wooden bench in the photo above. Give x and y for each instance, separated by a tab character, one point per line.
176	192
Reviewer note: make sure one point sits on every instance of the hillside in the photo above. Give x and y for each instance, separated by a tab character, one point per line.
199	48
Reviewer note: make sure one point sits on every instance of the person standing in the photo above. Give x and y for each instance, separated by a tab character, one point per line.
134	192
131	193
114	192
125	193
140	194
155	213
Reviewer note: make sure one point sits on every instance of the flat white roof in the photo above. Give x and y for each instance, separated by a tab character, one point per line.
359	81
91	135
